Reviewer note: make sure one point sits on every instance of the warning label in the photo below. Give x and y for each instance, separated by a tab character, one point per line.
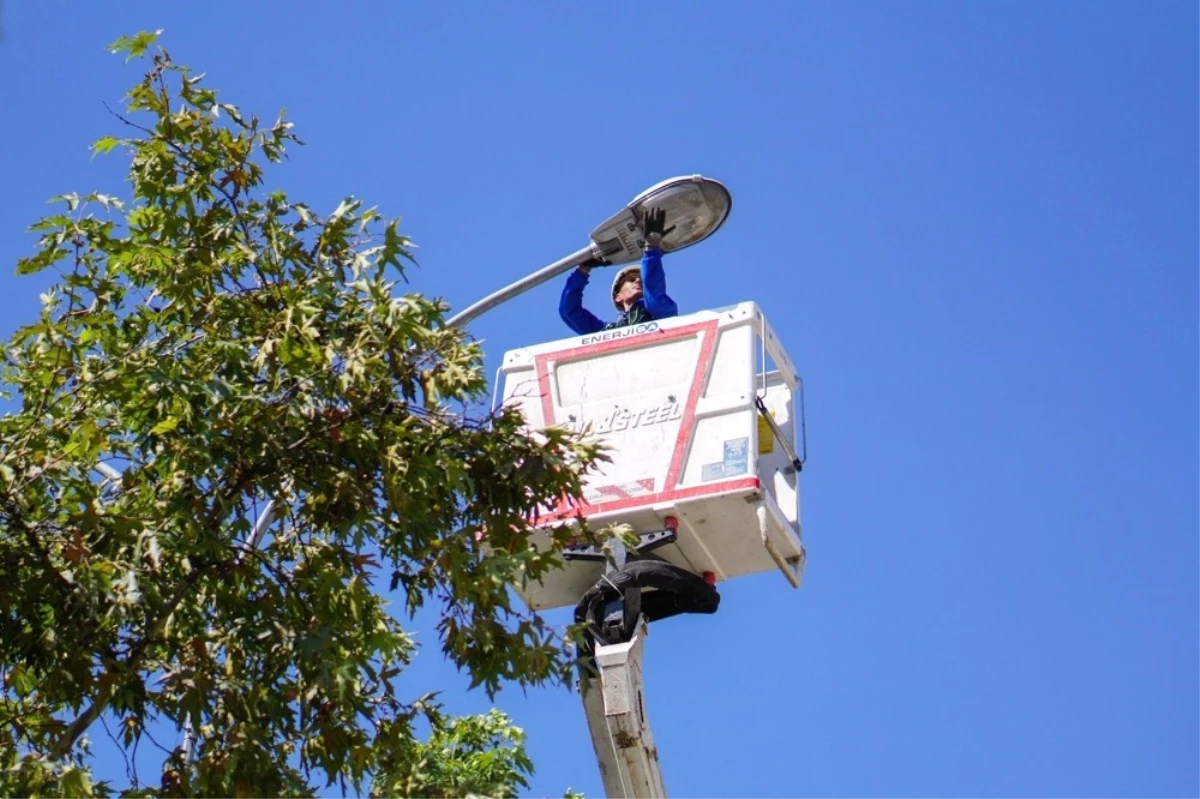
733	462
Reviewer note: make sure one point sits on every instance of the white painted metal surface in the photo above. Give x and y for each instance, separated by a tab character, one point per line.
616	713
675	402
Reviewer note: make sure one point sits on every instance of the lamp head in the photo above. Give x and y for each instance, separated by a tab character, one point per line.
695	205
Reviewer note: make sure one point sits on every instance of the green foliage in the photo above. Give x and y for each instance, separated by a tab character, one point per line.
223	345
472	756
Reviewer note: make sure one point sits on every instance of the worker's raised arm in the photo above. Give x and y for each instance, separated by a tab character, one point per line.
654	286
654	281
570	304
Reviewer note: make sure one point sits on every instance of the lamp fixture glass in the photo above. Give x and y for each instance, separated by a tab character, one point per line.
695	205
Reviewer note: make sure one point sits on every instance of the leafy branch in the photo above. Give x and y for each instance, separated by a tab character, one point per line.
230	346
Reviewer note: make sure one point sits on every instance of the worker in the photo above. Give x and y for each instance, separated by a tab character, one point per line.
638	292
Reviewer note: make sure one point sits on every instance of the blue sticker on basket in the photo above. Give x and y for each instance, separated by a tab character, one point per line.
735	456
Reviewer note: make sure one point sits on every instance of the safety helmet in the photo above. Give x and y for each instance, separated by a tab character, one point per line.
632	269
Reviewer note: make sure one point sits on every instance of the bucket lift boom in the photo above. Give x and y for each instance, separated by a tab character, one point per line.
703	417
616	715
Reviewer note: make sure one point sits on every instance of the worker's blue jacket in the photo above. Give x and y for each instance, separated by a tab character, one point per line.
654	304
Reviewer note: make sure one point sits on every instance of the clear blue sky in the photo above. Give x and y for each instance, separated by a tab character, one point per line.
974	225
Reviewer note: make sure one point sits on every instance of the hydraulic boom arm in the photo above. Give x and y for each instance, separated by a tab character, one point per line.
616	714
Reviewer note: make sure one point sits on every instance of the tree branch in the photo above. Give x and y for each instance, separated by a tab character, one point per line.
137	654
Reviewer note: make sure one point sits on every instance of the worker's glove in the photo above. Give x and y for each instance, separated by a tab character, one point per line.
586	266
653	225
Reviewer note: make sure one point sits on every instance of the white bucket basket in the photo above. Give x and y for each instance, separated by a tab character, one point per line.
677	403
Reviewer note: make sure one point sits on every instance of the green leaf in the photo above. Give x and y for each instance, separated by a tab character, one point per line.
71	199
104	145
165	426
21	681
84	441
38	262
75	782
134	46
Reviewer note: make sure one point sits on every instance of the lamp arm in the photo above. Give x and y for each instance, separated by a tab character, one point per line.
524	284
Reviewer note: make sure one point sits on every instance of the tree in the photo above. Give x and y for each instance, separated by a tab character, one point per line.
221	345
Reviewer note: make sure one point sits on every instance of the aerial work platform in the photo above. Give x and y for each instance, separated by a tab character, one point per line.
701	415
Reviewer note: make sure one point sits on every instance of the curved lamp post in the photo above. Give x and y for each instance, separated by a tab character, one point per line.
697	206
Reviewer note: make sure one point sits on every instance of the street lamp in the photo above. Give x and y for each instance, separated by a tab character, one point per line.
695	206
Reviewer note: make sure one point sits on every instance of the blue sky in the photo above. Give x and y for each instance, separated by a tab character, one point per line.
974	226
